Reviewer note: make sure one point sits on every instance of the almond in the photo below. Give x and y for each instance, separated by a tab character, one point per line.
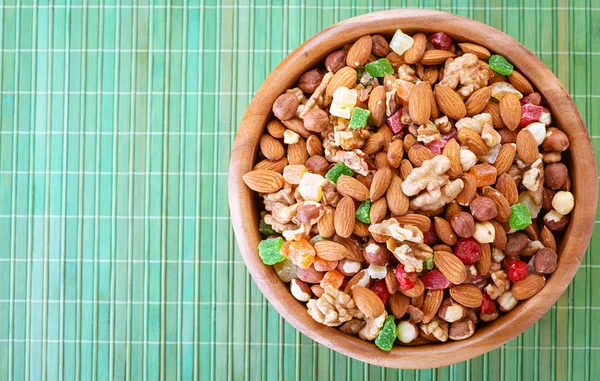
269	165
528	286
360	229
395	60
367	302
398	304
419	106
499	235
349	186
431	304
405	168
505	158
325	224
374	144
380	160
452	152
345	77
416	51
501	203
527	147
485	260
435	111
430	74
473	141
380	183
314	145
395	152
469	189
493	109
276	128
297	153
463	224
510	111
436	57
423	223
508	188
547	238
520	83
297	126
343	221
285	106
391	283
467	295
416	303
263	181
418	153
362	276
444	231
271	147
449	102
330	251
450	266
377	105
481	52
378	210
409	141
416	291
397	201
359	53
478	101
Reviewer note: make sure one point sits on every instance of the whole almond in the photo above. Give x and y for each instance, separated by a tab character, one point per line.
423	223
325	224
520	83
431	304
374	144
391	283
395	60
359	52
344	217
285	106
297	125
381	48
527	147
547	238
409	141
416	51
381	181
463	224
418	153
469	189
435	111
436	57
430	74
316	120
419	106
380	160
360	276
451	210
269	165
377	105
263	181
444	231
330	251
297	153
449	102
500	235
528	286
360	229
452	152
395	152
367	302
345	77
450	266
314	145
473	141
442	247
506	185
405	168
336	60
276	128
478	101
485	260
416	303
481	52
378	210
502	204
354	247
398	304
397	201
387	134
416	291
467	295
271	147
505	158
349	186
493	109
510	111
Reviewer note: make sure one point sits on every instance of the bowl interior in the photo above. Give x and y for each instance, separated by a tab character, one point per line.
582	165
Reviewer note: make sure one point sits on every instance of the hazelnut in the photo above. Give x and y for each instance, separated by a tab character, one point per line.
547	196
563	202
532	248
544	261
461	330
489	317
317	164
451	311
506	301
555	140
335	60
316	120
377	272
380	48
348	267
515	243
309	81
551	157
463	224
285	106
555	221
376	253
407	331
300	290
507	136
484	232
309	274
310	212
556	174
483	208
546	117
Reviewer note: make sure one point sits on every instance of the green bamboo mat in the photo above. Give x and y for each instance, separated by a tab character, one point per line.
117	258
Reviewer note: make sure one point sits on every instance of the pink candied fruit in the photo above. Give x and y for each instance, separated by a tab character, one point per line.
380	289
436	146
405	280
530	113
430	237
487	304
435	280
441	40
468	250
517	270
395	122
450	135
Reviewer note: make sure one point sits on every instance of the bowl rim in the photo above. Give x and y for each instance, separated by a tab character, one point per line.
565	114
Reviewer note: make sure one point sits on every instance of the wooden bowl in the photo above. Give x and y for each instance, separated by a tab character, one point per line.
244	212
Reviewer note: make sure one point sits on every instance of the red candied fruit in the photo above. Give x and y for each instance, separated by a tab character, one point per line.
529	114
436	146
487	304
406	280
395	122
430	237
381	290
435	280
517	270
441	40
468	250
450	135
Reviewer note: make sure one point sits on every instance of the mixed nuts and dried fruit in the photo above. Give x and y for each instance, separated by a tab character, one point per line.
412	189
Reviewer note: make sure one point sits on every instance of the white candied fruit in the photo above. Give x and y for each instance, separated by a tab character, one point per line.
401	42
343	102
311	186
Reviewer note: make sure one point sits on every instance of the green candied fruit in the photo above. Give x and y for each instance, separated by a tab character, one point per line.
265	228
363	212
336	171
428	264
380	68
500	65
269	250
359	118
286	270
519	216
387	334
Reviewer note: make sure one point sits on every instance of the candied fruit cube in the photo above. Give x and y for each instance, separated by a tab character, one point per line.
429	263
270	250
395	122
338	170
403	89
359	118
379	287
485	174
379	68
520	217
500	65
300	252
363	212
387	335
266	229
529	114
441	40
324	265
401	42
286	270
332	278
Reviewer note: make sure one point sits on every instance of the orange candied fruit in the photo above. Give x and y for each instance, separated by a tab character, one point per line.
300	252
324	265
403	89
332	278
485	174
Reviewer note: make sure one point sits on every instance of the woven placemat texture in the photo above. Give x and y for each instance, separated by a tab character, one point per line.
117	257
